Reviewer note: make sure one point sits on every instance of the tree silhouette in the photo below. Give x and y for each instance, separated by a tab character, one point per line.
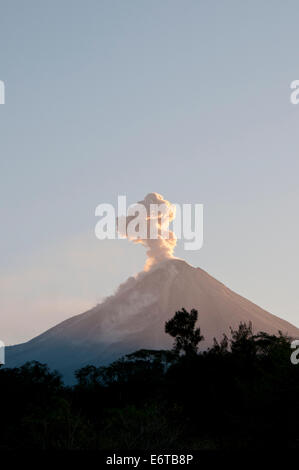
149	398
243	340
182	328
220	348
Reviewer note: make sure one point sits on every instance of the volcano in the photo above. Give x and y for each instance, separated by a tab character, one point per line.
134	318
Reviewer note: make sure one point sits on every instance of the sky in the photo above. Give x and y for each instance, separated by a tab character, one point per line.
190	99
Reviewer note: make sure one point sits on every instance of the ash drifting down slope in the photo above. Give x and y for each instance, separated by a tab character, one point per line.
135	316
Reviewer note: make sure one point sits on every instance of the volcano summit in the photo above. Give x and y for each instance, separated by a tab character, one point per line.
134	318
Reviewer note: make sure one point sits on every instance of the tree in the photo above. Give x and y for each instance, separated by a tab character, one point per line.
242	340
87	376
220	348
182	328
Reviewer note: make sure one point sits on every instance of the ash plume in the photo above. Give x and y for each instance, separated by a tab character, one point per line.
150	227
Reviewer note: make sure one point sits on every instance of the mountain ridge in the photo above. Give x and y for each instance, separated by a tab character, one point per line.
134	318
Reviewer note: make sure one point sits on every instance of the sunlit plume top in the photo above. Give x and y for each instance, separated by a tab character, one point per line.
148	223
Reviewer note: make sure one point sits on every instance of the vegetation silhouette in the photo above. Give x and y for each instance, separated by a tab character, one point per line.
182	328
239	394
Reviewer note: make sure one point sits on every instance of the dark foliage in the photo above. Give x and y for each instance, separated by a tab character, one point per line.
242	393
182	328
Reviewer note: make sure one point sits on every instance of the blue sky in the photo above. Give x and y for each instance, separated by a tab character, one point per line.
189	99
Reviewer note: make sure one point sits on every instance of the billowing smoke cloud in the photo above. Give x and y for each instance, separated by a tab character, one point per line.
147	223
